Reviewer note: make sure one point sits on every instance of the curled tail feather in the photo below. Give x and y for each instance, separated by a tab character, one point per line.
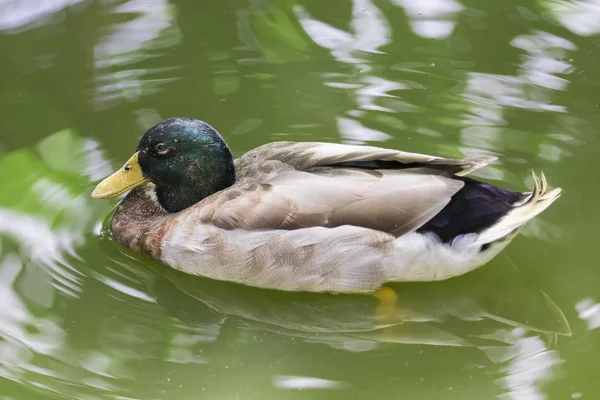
532	204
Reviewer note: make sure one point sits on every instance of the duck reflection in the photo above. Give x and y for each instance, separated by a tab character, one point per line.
464	312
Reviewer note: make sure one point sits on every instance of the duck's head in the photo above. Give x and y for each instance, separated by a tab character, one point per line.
185	158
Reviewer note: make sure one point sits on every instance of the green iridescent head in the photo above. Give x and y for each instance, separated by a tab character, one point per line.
185	158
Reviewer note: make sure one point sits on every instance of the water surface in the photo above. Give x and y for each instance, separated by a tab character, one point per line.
83	318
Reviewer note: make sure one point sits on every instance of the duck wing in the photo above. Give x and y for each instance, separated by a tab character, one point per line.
306	155
300	185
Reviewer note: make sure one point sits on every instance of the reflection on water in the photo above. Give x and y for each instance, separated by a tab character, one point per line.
369	31
492	98
580	16
125	44
43	226
589	311
491	95
83	318
528	365
432	19
16	15
304	382
51	216
545	59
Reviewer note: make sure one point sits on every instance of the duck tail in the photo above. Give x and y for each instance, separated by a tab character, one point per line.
524	210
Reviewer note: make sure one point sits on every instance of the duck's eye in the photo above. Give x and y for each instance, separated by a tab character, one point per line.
161	148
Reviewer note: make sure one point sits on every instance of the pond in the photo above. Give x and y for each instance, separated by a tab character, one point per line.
82	317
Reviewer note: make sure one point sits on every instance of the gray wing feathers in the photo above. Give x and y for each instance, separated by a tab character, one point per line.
399	212
305	155
389	201
292	185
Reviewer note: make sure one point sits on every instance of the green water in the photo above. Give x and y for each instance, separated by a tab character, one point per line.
83	318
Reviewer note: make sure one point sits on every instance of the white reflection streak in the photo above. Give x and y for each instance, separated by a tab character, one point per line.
12	313
306	382
434	19
128	290
347	344
589	311
96	164
355	133
35	236
127	37
376	87
20	13
581	17
531	89
545	59
17	343
370	26
44	244
529	364
370	31
153	27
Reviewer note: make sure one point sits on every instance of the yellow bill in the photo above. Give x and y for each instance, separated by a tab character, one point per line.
126	178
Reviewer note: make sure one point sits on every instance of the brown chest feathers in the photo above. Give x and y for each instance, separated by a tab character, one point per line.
140	223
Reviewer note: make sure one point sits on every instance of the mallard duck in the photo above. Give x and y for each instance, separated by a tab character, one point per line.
318	217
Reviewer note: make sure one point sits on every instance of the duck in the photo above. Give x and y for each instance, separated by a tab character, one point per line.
310	216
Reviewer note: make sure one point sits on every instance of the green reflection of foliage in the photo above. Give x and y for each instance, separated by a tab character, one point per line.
281	37
47	181
45	215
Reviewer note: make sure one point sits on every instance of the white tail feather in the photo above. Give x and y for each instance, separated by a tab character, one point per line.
525	210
